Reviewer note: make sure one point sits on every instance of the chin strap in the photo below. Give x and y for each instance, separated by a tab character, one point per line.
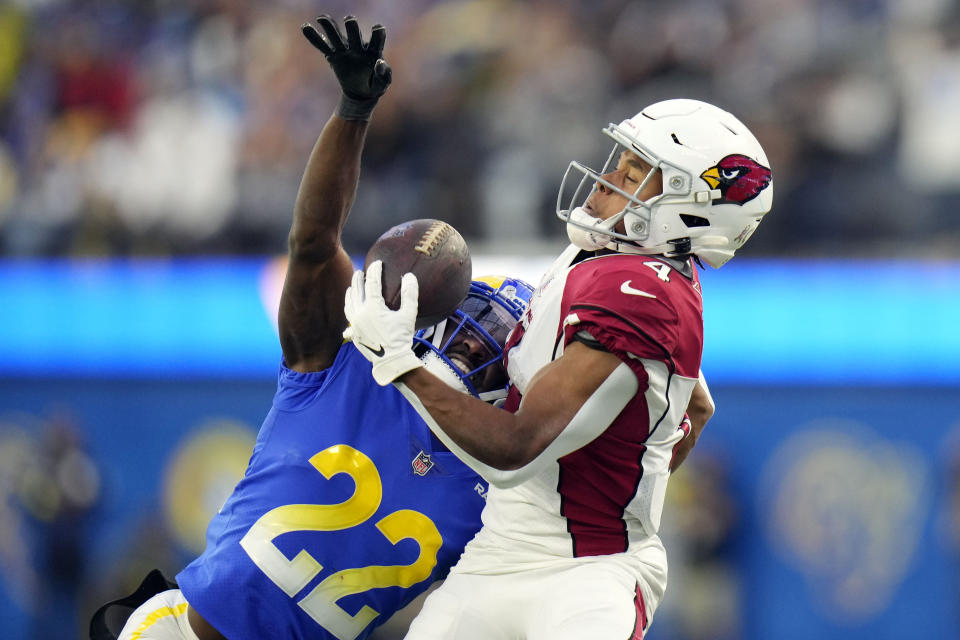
436	365
591	234
586	232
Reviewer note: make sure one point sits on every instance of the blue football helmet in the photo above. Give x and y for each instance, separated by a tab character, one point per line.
466	349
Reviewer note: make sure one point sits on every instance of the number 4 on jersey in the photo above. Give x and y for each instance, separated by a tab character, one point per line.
663	270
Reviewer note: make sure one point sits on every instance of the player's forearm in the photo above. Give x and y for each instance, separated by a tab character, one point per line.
507	449
494	437
328	188
701	407
699	411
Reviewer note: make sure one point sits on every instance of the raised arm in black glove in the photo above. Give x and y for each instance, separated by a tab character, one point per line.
363	74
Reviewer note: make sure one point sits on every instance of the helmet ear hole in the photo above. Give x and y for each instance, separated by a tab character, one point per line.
694	221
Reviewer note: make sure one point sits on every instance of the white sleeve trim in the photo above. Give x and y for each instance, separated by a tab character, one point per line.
592	419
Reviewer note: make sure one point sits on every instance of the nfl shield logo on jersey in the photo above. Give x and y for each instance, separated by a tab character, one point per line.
422	464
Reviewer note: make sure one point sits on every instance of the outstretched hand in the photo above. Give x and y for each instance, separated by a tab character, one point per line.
383	336
362	72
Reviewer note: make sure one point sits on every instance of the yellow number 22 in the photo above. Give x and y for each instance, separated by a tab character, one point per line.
293	575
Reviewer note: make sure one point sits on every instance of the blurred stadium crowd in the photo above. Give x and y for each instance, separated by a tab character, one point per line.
182	126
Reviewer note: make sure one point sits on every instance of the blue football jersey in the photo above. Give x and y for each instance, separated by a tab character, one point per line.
346	513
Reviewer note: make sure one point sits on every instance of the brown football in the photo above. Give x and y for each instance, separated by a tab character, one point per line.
433	251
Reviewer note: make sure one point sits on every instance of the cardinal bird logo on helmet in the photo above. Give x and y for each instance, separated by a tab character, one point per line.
740	179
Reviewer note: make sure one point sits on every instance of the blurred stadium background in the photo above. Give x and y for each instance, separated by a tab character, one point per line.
150	153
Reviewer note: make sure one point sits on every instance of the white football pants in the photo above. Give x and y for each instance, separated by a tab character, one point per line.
596	600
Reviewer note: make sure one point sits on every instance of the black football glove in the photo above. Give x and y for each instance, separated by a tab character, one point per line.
363	74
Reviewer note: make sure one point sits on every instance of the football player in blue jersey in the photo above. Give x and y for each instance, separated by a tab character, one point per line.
349	507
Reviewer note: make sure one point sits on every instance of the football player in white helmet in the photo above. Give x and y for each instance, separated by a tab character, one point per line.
602	369
706	185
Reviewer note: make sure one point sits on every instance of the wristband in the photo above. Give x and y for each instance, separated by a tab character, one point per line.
351	109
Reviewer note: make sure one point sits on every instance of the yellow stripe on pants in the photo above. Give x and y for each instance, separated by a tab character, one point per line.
152	618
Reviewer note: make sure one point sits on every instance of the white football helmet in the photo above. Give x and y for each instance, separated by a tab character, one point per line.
717	185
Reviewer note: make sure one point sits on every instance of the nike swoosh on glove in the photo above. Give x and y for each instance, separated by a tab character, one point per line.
383	336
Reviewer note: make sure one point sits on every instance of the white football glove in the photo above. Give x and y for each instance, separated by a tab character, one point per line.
383	336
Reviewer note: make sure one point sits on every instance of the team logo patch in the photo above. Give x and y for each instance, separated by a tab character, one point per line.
739	178
422	464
